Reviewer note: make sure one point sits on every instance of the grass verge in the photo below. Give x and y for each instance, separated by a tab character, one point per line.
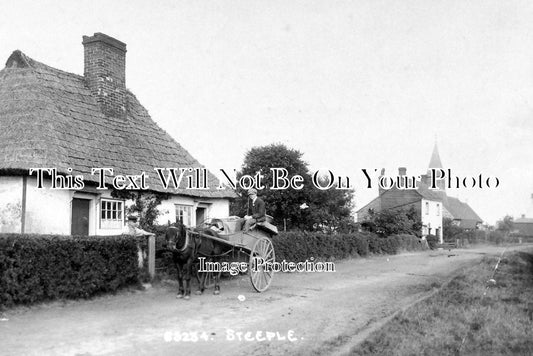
471	315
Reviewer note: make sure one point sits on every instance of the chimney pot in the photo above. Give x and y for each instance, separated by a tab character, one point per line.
402	171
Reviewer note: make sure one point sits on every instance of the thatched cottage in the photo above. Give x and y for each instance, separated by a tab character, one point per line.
54	119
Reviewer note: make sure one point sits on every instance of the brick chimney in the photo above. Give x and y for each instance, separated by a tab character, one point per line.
105	72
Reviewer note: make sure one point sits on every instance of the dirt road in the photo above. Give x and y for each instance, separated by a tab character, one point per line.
313	313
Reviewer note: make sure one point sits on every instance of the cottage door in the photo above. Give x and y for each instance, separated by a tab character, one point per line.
200	216
80	217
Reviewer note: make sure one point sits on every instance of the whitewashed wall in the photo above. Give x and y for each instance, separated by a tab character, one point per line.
10	204
215	208
49	211
434	218
219	208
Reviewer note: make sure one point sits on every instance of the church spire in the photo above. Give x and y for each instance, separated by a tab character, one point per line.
435	162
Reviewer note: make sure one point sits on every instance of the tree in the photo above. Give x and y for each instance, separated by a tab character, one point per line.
506	225
145	204
308	208
392	222
330	209
450	230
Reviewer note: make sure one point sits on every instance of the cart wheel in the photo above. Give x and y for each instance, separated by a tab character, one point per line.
263	251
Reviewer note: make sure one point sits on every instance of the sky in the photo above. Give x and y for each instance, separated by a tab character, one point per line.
351	84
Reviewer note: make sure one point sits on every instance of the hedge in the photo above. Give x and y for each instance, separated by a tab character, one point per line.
36	268
296	246
299	246
467	236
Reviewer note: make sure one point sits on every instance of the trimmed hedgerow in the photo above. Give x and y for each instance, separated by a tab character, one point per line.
36	268
299	246
410	242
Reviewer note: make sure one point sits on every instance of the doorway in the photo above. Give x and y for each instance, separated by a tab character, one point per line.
80	217
201	216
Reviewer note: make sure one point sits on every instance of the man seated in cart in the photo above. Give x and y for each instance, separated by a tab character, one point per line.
258	210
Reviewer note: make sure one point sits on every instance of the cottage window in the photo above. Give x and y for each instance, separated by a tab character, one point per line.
111	214
427	208
184	213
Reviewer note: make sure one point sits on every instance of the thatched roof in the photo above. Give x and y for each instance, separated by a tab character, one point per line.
49	118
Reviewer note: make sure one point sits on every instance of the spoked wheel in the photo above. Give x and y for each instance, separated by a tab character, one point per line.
262	255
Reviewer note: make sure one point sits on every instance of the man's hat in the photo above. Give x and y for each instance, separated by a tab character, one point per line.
252	191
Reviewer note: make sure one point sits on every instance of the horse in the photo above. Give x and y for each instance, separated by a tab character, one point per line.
186	246
213	251
183	248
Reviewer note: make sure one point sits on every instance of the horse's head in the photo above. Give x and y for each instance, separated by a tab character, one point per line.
175	236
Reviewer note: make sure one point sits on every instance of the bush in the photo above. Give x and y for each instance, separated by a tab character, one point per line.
392	221
389	245
496	237
36	268
410	242
452	233
450	230
361	245
432	241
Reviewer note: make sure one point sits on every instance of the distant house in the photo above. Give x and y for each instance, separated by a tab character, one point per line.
426	203
54	119
461	214
432	205
524	225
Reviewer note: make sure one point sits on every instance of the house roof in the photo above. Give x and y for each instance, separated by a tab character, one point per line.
430	194
523	221
50	119
408	197
456	208
523	226
374	202
460	210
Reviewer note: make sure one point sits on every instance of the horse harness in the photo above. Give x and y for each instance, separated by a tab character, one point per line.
187	241
185	245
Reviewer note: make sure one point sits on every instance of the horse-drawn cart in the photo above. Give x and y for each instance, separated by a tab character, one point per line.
256	243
